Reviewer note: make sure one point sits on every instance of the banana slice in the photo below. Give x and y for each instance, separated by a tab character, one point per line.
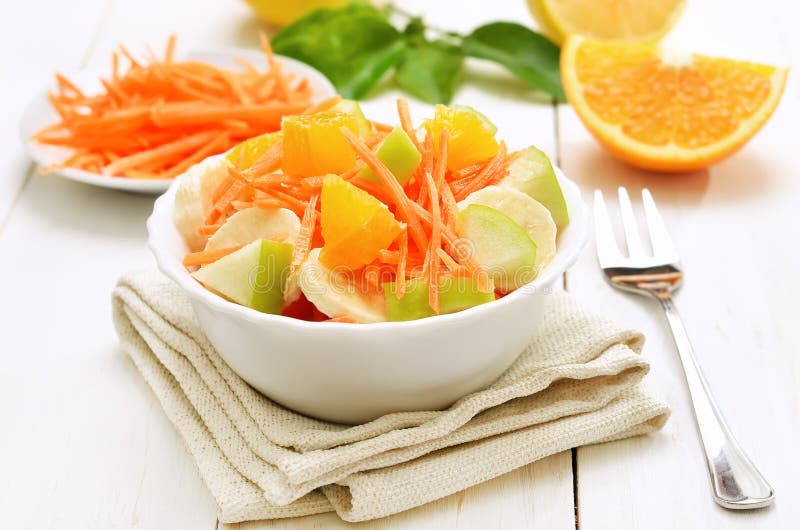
245	226
193	198
336	295
526	212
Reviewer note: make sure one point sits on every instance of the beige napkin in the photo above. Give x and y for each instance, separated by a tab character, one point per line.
576	384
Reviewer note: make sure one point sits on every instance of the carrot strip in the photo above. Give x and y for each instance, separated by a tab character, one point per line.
406	123
269	202
270	113
381	127
402	263
207	230
215	145
227	191
432	257
162	152
293	203
272	179
449	205
323	105
169	54
204	257
302	243
448	261
266	163
65	85
241	205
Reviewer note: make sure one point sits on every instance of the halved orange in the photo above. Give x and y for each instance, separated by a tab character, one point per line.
663	112
630	20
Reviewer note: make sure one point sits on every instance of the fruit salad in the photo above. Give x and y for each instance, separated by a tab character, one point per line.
339	218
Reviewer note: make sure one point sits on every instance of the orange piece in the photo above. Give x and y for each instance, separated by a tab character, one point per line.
471	135
664	113
355	225
314	145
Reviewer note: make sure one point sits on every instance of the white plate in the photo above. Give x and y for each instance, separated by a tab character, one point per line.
39	113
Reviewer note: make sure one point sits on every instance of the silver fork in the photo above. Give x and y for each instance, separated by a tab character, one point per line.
735	481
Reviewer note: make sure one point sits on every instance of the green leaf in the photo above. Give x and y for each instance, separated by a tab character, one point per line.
430	70
525	53
353	46
415	28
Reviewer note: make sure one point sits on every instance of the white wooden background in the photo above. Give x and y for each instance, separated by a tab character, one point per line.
84	445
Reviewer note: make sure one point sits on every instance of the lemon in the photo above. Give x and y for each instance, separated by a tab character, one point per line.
283	12
632	20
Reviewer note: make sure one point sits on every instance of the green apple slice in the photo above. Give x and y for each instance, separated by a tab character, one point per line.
336	292
532	173
455	294
399	154
248	225
349	106
253	276
193	199
499	244
528	213
414	304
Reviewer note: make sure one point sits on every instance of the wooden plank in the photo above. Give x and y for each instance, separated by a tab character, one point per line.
34	45
530	497
731	227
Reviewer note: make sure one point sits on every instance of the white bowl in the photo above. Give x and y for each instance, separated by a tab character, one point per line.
353	373
40	113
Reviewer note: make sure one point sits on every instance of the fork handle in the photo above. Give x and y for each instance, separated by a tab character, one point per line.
735	481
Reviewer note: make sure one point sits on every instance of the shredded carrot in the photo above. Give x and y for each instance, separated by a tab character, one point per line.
402	262
207	150
240	205
323	105
204	257
448	261
302	243
186	111
406	123
427	247
266	163
207	230
492	172
223	202
432	257
381	127
449	205
398	195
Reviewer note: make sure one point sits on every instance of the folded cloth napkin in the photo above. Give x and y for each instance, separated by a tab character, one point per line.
577	383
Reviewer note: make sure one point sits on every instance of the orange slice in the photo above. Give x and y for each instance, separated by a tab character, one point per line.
314	145
667	113
471	135
355	225
631	20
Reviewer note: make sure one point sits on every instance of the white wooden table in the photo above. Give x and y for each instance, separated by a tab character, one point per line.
84	445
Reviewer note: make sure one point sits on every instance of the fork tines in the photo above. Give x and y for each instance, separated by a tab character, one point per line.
608	252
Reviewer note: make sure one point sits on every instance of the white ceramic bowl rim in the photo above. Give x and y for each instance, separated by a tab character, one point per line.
571	242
